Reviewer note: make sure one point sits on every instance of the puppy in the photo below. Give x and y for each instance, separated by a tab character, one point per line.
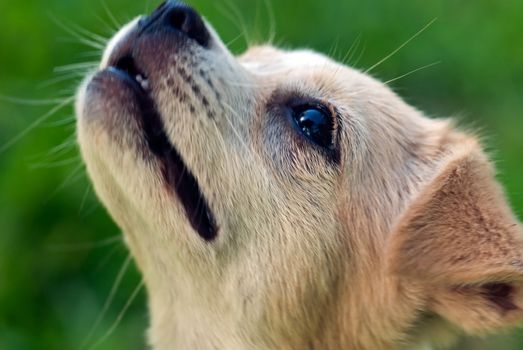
280	200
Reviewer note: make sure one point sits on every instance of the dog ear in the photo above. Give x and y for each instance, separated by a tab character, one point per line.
461	242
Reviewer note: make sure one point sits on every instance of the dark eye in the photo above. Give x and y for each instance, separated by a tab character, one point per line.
316	123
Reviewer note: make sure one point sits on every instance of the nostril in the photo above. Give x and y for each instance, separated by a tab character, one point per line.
174	15
188	21
177	19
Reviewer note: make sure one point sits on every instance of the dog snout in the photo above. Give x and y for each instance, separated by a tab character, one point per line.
174	15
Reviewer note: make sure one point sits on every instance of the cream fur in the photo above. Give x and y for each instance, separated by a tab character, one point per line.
396	247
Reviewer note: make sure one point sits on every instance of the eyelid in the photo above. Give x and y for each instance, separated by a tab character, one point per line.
284	100
331	110
301	105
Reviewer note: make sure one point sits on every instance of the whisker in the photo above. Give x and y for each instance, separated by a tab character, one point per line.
57	164
90	35
108	27
90	54
92	40
401	46
238	21
90	210
223	147
61	122
59	79
272	21
237	134
352	49
254	156
69	91
413	71
234	112
86	42
76	67
120	316
73	177
334	48
178	183
63	147
108	257
147	6
232	41
358	59
32	102
84	199
108	301
66	147
250	85
35	124
255	25
75	247
112	17
78	31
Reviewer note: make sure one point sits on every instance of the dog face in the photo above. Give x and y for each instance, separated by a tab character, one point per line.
282	200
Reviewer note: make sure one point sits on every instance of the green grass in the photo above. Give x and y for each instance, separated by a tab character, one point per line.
53	285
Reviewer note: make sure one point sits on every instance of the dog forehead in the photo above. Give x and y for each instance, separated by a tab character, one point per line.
267	60
311	73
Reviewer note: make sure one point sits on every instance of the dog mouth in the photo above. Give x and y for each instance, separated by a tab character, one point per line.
177	175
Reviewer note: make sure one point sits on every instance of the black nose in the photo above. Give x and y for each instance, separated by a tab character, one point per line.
174	15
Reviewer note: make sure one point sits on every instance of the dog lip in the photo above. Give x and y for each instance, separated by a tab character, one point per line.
126	65
177	175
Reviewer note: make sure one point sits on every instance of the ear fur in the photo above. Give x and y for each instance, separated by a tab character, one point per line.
460	240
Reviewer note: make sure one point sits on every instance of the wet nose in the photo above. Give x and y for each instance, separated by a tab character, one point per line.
177	16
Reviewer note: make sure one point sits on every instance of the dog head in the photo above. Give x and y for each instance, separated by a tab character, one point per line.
282	200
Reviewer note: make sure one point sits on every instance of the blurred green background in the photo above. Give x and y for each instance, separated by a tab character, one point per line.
60	254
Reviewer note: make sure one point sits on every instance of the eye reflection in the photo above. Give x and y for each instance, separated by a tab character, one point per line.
316	124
